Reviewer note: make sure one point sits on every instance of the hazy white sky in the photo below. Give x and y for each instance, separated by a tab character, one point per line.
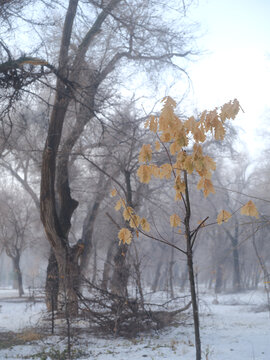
236	36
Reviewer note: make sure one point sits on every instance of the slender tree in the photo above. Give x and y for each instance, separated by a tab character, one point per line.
182	142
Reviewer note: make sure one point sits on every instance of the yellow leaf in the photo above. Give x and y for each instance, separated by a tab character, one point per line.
190	124
175	220
168	101
125	236
210	119
153	123
223	216
165	137
209	163
181	156
197	152
145	153
127	213
157	145
179	185
134	221
144	173
181	139
146	124
165	171
250	209
145	225
219	129
178	196
188	164
206	185
230	110
155	171
174	148
113	192
198	133
118	205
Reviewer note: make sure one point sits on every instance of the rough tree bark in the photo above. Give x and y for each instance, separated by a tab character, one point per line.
56	203
57	224
52	283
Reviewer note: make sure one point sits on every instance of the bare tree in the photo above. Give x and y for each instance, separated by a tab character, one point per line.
15	230
116	18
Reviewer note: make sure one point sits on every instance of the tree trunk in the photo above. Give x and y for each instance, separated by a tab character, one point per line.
194	302
56	203
18	274
184	278
94	274
121	269
89	221
189	252
237	286
121	272
137	267
56	217
157	276
107	266
171	278
52	283
15	285
236	267
69	281
219	278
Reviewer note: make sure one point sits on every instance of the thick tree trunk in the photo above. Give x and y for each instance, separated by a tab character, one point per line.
52	283
56	203
56	217
69	281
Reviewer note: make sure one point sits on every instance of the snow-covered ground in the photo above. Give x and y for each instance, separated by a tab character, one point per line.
232	329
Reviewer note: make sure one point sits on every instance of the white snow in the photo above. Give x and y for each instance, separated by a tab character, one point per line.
230	330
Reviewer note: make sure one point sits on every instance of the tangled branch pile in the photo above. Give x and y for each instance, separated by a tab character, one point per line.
124	316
